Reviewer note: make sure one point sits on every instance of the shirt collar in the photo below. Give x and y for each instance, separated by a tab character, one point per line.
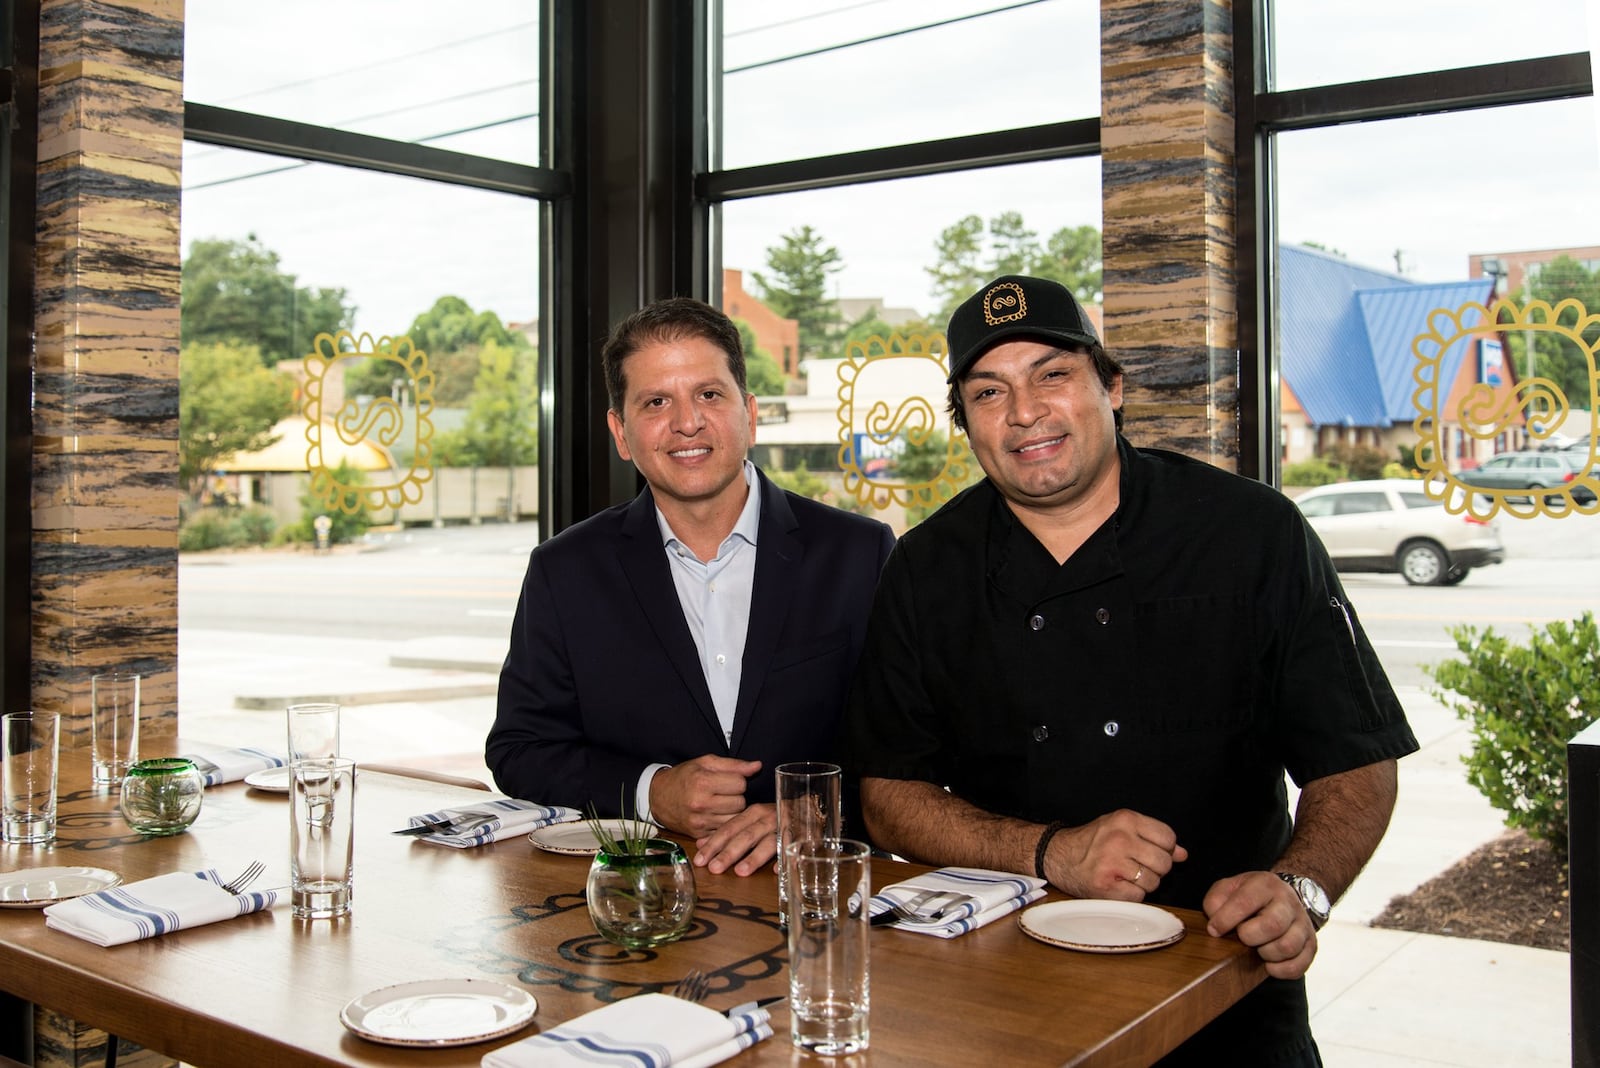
745	526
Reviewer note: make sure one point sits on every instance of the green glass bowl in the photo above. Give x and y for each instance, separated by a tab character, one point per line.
162	796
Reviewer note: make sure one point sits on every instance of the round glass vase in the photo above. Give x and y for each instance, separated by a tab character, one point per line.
643	896
162	796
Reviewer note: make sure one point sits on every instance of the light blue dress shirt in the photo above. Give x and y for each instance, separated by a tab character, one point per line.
715	598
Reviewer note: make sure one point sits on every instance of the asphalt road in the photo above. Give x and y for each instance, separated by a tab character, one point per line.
464	581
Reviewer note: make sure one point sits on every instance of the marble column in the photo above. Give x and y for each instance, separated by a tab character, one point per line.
1168	190
105	494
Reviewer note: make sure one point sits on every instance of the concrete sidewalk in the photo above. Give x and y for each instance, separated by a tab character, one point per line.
1379	998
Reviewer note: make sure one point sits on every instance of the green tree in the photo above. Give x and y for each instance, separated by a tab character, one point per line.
346	526
235	292
1073	256
501	429
762	375
227	403
958	266
798	286
453	335
1556	357
1014	247
925	461
967	254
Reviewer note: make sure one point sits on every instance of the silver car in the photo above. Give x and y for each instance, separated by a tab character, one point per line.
1531	471
1392	525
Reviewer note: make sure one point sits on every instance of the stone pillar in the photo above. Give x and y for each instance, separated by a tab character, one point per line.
105	494
1168	191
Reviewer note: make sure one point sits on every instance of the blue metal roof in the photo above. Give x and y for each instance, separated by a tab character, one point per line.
1345	334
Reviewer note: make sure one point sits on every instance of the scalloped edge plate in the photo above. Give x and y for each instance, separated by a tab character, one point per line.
574	838
272	780
34	888
1101	926
439	1012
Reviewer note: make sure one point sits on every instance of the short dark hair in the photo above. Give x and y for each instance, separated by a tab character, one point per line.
1104	366
665	321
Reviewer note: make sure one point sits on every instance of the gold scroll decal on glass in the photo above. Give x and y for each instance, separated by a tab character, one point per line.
1486	411
896	444
335	423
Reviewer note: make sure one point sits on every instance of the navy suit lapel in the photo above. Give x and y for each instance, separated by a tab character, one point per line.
644	561
779	554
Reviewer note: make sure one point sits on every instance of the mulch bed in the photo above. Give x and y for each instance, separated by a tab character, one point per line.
1513	889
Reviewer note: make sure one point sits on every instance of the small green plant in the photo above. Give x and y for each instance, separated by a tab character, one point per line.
1524	702
634	841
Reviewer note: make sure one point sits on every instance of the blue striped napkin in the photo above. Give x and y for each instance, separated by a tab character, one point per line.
995	894
646	1031
509	817
220	764
153	907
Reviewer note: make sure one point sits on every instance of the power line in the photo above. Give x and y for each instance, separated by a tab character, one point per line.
879	37
383	62
804	18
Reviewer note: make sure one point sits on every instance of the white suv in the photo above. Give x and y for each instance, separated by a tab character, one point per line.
1393	525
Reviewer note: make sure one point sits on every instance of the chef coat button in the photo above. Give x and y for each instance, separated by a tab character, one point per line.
1102	615
1111	728
1040	733
1037	622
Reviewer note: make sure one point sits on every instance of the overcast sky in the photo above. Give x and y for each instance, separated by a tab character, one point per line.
1436	190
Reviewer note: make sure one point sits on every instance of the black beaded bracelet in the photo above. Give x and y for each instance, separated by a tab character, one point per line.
1044	843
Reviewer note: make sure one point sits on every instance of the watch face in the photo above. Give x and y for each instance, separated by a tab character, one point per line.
1315	898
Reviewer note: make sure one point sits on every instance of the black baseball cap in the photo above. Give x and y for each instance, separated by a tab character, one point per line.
1015	306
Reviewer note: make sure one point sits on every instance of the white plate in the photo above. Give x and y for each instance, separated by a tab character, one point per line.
1101	926
34	888
439	1012
575	839
273	780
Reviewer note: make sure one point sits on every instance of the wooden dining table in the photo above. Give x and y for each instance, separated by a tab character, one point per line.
269	988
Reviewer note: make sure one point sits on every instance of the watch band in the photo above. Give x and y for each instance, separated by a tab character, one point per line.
1313	898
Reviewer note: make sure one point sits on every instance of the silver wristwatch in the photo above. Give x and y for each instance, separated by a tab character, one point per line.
1311	895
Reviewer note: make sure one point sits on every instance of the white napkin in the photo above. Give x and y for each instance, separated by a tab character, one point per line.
995	894
153	907
219	764
645	1031
511	817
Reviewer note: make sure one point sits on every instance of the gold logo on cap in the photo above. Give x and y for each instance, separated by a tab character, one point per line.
1005	303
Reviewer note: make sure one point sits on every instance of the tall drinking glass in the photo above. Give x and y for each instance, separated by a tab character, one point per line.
808	811
114	725
829	996
313	732
322	809
30	743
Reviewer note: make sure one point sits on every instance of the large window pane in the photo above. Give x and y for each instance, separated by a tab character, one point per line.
1318	43
844	396
392	68
1385	271
821	77
433	512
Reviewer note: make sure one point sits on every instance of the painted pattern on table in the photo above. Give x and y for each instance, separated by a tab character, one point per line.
503	946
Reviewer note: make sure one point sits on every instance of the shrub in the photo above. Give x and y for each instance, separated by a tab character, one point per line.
1361	461
1313	472
205	529
252	526
1524	702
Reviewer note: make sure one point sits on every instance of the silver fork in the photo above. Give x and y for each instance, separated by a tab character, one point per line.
910	911
237	884
692	987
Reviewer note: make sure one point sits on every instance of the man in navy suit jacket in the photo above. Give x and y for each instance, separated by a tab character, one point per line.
668	653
